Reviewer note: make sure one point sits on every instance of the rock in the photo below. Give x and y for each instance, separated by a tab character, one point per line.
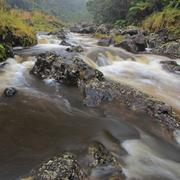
88	30
115	32
130	32
171	49
64	71
101	158
64	167
97	92
10	92
140	42
103	29
75	29
61	34
134	44
84	28
104	42
100	155
171	66
77	49
65	43
128	45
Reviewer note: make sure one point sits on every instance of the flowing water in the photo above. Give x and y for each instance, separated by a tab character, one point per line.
46	118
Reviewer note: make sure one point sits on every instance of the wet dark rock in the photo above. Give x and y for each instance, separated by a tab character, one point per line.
100	157
60	34
64	71
171	49
96	92
75	29
115	32
130	32
60	167
88	30
104	42
77	49
10	92
128	45
3	64
104	29
140	41
134	44
65	43
171	66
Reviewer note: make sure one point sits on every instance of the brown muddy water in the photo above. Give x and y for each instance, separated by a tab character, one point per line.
46	118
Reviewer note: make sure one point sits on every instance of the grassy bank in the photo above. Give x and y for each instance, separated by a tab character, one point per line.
19	28
169	18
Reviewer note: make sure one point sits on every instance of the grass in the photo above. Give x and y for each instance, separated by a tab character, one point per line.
2	53
23	25
169	18
116	38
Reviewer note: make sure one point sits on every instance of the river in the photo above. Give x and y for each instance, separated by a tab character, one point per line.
46	118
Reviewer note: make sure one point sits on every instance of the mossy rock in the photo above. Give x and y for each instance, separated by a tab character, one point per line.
2	53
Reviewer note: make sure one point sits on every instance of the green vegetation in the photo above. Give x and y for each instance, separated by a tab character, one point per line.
116	38
67	10
2	53
151	14
19	27
168	18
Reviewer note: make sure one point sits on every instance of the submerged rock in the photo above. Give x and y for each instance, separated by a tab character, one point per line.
104	42
65	43
102	159
96	90
77	49
171	66
10	92
61	34
100	155
63	167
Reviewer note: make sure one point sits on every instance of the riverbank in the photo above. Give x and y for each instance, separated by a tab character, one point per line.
134	39
18	28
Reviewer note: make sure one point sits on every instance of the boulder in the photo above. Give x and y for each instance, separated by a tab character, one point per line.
65	43
171	49
61	34
103	29
131	32
64	166
64	71
10	92
171	66
128	45
77	49
75	29
104	42
88	30
136	43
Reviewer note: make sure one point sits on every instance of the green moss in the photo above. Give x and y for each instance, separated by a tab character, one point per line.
116	38
2	53
169	18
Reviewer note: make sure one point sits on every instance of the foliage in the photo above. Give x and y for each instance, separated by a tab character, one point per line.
116	38
2	53
168	18
67	10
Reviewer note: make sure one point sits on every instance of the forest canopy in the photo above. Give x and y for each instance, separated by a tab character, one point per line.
67	10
